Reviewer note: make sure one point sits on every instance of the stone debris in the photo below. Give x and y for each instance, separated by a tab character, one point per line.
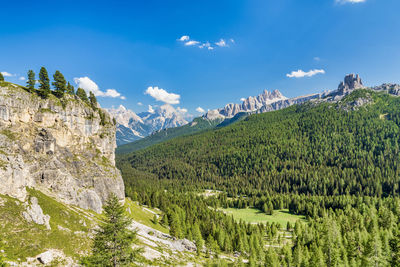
34	213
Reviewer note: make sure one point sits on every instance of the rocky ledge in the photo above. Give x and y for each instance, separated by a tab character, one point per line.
64	148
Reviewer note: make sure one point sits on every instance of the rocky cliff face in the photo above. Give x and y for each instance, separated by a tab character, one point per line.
62	148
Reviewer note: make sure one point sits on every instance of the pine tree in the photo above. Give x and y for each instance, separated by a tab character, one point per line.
93	100
395	248
82	94
198	239
31	81
1	77
44	83
175	225
164	220
317	257
155	219
271	258
113	241
70	89
60	84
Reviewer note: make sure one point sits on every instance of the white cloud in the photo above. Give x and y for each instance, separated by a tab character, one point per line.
90	86
184	38
182	110
317	58
207	44
7	74
349	1
112	93
22	78
190	43
242	99
160	94
140	104
150	109
301	74
221	43
200	110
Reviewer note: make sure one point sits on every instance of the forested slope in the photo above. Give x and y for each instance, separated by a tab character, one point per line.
198	125
336	163
348	147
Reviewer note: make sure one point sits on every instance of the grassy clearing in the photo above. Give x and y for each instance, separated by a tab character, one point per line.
20	239
144	215
252	215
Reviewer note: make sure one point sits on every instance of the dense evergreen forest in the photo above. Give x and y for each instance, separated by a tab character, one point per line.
337	163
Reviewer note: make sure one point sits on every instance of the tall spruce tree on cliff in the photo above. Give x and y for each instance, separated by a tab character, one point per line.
60	84
70	89
113	241
93	100
1	77
30	84
82	94
44	83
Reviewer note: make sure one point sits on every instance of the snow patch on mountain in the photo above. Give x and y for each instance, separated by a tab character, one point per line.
132	126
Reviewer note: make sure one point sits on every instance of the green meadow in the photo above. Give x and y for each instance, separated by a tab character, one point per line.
252	215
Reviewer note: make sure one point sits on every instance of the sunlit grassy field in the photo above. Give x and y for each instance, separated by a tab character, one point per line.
252	215
144	215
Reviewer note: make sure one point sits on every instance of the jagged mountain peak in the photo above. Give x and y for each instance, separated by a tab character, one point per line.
350	83
132	126
252	103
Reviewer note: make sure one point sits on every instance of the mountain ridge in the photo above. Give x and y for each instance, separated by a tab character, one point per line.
132	126
265	102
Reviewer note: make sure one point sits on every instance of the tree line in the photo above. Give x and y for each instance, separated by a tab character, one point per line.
60	87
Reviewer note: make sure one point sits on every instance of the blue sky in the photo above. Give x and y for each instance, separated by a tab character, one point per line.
129	46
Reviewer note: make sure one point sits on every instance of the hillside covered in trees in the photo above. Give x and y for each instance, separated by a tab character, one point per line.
334	162
318	149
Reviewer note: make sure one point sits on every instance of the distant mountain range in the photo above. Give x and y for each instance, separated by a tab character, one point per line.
132	126
156	127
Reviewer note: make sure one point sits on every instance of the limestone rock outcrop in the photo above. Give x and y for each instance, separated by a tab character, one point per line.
351	82
34	213
63	147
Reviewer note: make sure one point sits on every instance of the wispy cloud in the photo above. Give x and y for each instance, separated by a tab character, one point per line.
221	43
7	74
200	110
184	38
206	45
150	109
162	95
22	78
301	74
182	110
192	42
349	1
140	103
242	99
187	41
317	59
90	86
